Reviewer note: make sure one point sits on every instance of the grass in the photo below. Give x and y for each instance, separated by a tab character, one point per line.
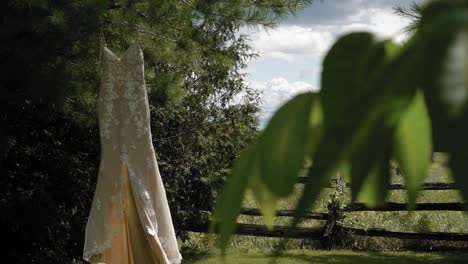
255	256
435	221
201	248
417	221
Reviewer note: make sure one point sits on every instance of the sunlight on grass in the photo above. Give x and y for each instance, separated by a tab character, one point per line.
249	256
416	221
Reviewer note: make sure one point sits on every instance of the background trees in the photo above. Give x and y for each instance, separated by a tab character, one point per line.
48	129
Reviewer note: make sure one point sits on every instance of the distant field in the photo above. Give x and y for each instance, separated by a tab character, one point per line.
245	256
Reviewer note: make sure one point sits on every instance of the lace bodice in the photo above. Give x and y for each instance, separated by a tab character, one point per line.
123	84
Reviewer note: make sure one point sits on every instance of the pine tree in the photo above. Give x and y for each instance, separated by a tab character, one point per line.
48	126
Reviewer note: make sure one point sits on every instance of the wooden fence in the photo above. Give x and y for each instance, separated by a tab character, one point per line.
332	230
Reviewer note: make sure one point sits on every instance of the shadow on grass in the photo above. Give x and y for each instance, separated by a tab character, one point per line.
378	258
329	257
191	255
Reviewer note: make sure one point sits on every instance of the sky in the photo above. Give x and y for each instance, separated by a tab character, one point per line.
291	54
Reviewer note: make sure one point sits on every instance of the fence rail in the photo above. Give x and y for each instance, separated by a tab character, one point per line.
433	186
287	213
263	231
404	207
332	229
319	233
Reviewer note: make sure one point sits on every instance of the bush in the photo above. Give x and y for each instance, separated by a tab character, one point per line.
48	180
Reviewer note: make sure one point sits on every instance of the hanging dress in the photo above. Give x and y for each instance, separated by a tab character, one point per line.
129	220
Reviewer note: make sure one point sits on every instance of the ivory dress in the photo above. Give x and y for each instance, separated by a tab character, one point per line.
129	221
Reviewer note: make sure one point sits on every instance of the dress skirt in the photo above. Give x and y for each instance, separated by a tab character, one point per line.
131	246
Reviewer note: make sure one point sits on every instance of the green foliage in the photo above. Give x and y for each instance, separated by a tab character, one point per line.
301	256
414	133
413	12
381	102
231	198
47	184
247	173
265	200
282	146
50	55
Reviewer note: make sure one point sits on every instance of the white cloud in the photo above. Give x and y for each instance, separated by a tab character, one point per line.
293	43
281	55
382	22
295	51
289	42
339	12
276	92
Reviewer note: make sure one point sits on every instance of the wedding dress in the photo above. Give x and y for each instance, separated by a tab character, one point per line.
129	220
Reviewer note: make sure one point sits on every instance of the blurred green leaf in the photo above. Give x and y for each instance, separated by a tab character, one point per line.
413	145
325	164
283	144
266	201
383	86
344	170
454	82
444	34
315	129
344	75
366	159
375	185
369	169
230	200
397	84
458	161
444	39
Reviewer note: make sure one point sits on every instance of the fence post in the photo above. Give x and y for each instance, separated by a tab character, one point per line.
332	232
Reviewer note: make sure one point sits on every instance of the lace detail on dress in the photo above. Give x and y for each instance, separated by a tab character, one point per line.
176	260
111	230
96	248
144	197
135	94
108	115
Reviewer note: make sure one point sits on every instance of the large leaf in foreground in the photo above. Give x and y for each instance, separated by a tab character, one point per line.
265	200
373	190
458	162
444	39
445	36
283	144
370	167
378	101
413	145
230	200
344	76
347	90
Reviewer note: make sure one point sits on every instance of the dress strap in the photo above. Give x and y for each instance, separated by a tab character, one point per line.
101	37
139	40
102	45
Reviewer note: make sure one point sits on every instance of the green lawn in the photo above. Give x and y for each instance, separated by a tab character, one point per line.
418	221
241	256
200	248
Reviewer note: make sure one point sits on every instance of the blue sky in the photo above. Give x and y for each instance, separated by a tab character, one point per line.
291	54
